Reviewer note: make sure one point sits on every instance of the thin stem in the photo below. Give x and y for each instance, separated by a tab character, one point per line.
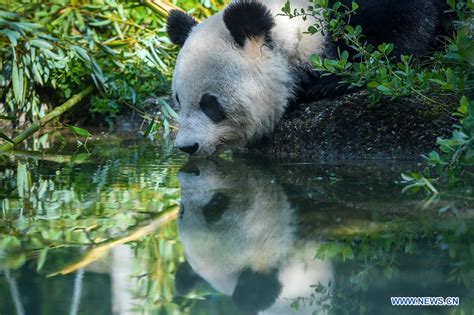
55	113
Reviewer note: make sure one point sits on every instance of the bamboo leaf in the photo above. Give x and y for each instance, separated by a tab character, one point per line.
101	23
13	36
167	108
8	15
150	129
36	73
79	131
17	82
5	137
41	44
41	258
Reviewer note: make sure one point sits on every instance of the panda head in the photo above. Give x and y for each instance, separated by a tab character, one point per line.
230	83
241	220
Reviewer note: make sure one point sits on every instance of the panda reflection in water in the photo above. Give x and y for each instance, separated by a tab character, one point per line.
243	237
238	70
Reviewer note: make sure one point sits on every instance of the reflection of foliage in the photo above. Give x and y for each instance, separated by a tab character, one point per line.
378	254
79	204
63	217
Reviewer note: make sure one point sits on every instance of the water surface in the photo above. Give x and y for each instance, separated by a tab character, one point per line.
131	227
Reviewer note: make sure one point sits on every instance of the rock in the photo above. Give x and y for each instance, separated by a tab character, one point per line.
349	127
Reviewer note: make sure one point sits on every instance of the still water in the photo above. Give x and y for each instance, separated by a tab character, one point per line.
135	228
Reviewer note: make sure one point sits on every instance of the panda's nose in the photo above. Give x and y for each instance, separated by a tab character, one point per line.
190	149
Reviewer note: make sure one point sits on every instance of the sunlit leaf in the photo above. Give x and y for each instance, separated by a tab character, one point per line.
41	258
40	43
79	131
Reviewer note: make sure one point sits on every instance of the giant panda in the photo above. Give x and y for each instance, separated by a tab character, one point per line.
244	237
238	70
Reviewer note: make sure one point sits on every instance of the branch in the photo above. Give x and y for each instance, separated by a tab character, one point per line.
162	7
55	113
102	249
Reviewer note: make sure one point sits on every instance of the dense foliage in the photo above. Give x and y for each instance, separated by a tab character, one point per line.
449	72
50	50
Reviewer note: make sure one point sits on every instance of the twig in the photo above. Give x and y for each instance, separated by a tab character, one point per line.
55	113
101	249
162	7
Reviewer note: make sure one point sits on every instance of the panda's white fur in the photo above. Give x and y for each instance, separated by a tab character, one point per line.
256	230
250	61
253	83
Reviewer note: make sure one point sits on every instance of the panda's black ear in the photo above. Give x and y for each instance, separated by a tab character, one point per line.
185	279
178	26
256	291
248	19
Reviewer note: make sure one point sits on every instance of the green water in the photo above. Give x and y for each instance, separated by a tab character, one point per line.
134	228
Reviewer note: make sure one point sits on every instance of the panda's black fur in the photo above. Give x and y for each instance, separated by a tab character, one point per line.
181	24
247	19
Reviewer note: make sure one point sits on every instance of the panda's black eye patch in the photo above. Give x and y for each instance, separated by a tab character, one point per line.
177	98
215	208
212	108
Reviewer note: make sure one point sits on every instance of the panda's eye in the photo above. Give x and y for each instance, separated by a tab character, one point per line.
216	207
212	108
177	98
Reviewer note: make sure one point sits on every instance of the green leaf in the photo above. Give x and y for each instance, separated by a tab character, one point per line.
13	36
81	53
101	23
373	84
355	6
463	105
150	128
8	15
384	89
41	44
167	108
37	75
17	82
312	30
41	258
79	131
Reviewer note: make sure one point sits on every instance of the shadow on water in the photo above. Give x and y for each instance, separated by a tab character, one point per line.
110	232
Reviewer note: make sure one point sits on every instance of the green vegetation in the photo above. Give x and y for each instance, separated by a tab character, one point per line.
62	212
371	257
449	72
51	50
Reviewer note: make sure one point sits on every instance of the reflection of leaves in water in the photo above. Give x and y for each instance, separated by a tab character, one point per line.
63	212
378	253
64	216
